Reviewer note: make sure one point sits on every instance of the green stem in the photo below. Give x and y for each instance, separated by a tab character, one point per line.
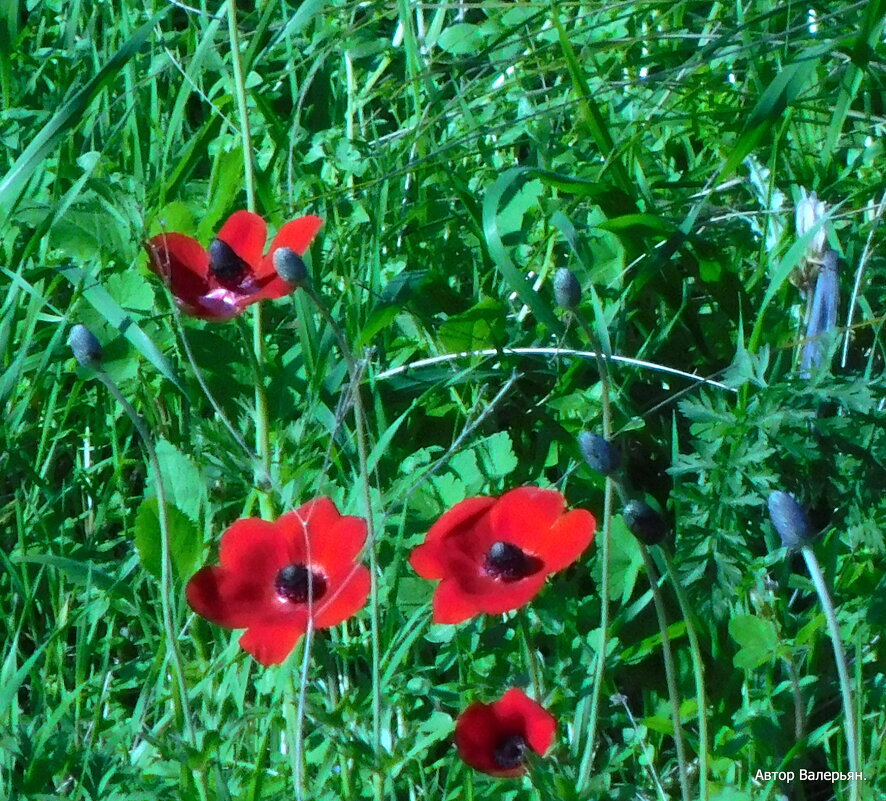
531	655
355	375
242	106
299	756
698	671
180	694
262	428
198	374
606	537
842	667
670	672
584	775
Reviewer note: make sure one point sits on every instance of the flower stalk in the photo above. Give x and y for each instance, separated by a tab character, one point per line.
849	719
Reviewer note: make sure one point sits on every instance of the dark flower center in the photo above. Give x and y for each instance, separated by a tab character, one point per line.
507	562
225	264
511	752
297	584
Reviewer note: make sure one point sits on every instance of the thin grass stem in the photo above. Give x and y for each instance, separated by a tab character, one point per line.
697	670
180	695
355	372
849	721
605	552
670	671
262	427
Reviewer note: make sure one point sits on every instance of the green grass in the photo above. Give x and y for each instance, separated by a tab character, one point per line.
459	155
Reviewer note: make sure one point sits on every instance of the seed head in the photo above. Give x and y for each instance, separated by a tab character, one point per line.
644	522
600	454
790	520
567	290
86	348
290	266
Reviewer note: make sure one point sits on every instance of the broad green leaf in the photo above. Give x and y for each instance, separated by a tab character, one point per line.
480	327
625	562
182	480
185	540
461	39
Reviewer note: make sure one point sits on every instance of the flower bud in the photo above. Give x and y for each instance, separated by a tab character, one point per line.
290	266
600	454
567	290
790	520
86	348
644	522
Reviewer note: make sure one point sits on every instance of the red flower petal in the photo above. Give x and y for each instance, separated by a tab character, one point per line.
566	540
295	235
228	598
273	288
460	517
241	592
476	736
481	729
539	725
457	548
245	591
256	548
348	598
270	645
452	605
183	264
523	516
246	233
506	596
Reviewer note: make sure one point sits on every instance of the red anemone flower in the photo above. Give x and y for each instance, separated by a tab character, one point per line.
495	738
493	554
273	576
220	283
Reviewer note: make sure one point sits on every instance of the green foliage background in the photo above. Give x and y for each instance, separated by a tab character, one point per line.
459	154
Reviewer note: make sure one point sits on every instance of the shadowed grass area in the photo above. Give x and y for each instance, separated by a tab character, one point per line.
459	155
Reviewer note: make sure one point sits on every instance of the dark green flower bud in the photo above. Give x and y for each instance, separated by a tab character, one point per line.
86	348
290	266
644	522
567	290
790	520
600	454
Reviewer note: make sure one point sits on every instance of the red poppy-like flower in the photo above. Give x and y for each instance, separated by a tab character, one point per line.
273	576
495	738
493	554
220	283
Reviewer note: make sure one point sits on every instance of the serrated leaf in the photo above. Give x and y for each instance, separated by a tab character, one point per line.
758	638
461	39
131	290
182	480
497	457
185	540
